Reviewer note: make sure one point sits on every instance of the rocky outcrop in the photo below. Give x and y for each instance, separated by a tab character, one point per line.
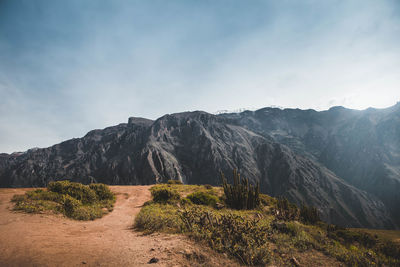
194	147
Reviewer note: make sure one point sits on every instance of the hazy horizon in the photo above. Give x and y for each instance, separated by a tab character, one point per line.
67	67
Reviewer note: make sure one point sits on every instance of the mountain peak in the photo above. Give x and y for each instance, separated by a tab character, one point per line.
337	108
139	121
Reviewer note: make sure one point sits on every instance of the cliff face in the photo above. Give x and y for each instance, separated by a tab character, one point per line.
286	153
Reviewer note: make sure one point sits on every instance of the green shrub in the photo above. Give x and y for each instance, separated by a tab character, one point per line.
302	240
86	213
37	201
241	195
76	190
289	228
349	237
19	198
309	215
174	182
390	249
102	191
203	198
158	217
82	213
164	195
77	201
58	186
208	186
38	206
70	204
363	248
185	201
242	238
40	194
285	210
267	200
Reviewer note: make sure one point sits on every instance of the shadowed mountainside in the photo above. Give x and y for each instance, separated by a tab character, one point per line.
361	147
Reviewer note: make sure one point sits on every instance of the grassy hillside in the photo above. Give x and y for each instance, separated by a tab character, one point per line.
384	235
275	232
74	200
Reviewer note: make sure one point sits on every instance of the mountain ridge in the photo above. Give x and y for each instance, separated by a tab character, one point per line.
286	150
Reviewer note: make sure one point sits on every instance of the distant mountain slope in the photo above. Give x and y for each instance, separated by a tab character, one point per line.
195	147
362	147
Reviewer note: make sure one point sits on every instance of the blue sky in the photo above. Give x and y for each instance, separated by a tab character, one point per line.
67	67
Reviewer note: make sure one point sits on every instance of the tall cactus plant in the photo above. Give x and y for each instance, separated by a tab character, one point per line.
241	195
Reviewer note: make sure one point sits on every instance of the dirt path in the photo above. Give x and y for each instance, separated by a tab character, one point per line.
53	240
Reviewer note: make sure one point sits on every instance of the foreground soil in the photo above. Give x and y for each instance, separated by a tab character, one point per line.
54	240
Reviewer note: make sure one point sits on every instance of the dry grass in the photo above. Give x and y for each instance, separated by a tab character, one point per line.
258	236
386	235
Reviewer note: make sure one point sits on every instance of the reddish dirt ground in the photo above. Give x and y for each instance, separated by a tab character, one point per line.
53	240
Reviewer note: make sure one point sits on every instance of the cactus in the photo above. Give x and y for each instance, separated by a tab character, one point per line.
285	210
309	215
241	195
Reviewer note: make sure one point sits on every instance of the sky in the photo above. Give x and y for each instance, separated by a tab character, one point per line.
67	67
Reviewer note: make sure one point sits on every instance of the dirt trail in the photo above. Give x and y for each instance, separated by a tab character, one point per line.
53	240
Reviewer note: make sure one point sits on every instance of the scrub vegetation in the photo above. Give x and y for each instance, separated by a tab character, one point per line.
272	231
74	200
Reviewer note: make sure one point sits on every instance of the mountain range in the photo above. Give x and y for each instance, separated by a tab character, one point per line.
344	162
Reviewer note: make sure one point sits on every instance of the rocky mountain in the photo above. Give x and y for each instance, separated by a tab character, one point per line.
361	147
295	153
